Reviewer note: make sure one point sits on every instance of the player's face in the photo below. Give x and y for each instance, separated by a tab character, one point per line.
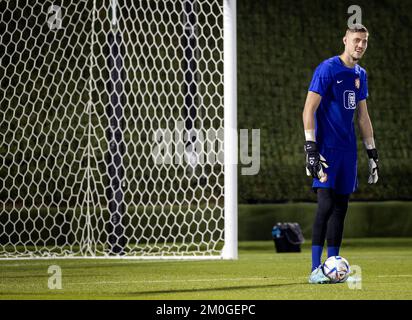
356	44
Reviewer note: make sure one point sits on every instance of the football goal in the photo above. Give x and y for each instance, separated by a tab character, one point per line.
118	129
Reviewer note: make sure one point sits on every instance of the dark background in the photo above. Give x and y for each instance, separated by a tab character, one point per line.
280	43
44	89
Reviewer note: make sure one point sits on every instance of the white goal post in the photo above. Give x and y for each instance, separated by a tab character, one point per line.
118	129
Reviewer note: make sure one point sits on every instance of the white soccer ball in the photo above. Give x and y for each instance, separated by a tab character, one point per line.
336	268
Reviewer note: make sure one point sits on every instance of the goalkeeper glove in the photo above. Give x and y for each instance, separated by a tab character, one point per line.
315	162
373	165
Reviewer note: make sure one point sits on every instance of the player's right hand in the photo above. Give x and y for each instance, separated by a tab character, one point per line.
315	162
373	166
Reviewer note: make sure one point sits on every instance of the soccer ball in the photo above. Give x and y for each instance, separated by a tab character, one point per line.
336	268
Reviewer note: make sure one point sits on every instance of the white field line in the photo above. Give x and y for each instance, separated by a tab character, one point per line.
395	276
96	263
212	280
180	280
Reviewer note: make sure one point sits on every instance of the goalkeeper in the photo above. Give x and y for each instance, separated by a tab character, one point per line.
338	88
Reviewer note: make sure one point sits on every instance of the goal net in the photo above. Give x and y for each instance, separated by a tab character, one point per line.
118	129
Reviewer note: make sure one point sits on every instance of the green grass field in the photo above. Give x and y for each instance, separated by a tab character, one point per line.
259	273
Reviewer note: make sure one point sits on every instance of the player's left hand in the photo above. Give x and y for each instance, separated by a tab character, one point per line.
373	166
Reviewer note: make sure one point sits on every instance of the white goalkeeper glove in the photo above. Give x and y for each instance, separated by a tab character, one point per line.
373	166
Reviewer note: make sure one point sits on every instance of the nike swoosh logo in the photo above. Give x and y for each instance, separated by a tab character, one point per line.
339	81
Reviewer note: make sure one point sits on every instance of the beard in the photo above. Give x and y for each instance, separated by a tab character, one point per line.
357	56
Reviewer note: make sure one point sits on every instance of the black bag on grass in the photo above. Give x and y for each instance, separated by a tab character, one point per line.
287	237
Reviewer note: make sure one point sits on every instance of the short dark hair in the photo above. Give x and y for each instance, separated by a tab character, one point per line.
357	27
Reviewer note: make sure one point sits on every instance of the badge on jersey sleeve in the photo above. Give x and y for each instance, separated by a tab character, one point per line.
357	83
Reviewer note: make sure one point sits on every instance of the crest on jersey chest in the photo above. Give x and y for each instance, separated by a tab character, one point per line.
357	83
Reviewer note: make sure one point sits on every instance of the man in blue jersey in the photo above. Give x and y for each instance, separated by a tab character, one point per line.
339	87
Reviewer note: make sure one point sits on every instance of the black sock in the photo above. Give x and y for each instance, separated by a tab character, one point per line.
324	211
336	220
325	208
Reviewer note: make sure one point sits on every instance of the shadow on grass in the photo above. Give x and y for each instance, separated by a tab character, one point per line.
232	288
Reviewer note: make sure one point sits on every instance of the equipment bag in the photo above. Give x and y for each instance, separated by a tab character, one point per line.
287	237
